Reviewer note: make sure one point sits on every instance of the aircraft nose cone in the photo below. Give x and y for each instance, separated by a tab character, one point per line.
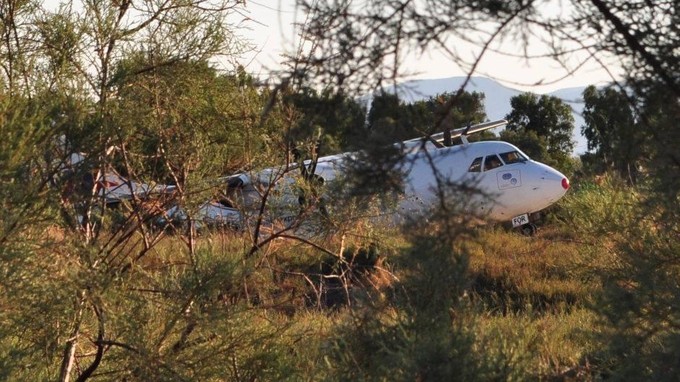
557	184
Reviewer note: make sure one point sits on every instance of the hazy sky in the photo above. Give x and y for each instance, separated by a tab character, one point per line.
268	24
272	32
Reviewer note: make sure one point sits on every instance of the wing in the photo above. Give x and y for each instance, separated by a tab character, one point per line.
436	140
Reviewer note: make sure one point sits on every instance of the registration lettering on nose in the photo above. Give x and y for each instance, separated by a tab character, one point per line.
520	220
509	179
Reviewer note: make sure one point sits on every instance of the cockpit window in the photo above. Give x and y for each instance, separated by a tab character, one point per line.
492	162
476	165
513	157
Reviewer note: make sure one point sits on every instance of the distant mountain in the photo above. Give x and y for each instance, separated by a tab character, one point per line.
497	98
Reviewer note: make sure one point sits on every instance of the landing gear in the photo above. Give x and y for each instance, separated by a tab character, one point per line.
528	229
524	223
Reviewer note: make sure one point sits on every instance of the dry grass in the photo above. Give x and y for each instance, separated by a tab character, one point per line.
532	297
527	296
514	273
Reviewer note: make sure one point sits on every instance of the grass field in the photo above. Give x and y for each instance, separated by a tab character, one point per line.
369	302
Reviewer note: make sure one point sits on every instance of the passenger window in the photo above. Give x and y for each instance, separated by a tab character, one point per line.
513	157
492	162
476	165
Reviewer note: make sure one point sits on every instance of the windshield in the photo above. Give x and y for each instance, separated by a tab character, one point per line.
492	162
513	157
476	165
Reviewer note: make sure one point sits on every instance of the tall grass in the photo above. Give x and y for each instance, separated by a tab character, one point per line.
436	302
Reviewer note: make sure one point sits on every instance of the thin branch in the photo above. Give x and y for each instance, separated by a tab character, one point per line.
636	46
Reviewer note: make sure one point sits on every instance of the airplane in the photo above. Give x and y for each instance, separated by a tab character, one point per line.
88	189
79	180
108	185
517	187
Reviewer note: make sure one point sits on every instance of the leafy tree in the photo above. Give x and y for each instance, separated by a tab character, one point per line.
339	120
61	38
642	34
393	118
637	308
85	43
659	115
73	289
546	120
612	132
528	141
18	46
455	110
189	117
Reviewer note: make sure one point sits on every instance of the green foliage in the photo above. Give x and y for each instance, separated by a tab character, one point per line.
530	142
187	124
613	135
633	250
639	306
338	120
18	46
467	108
378	169
658	116
411	337
186	118
546	124
61	38
398	121
24	177
592	202
164	319
642	34
191	323
35	298
393	119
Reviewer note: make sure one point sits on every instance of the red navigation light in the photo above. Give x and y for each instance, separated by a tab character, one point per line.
565	183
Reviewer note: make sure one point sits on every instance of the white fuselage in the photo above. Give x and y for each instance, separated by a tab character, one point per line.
512	183
507	189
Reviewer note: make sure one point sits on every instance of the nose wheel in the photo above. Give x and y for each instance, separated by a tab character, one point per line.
528	229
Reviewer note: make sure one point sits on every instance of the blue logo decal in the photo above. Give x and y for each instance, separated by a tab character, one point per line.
507	176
